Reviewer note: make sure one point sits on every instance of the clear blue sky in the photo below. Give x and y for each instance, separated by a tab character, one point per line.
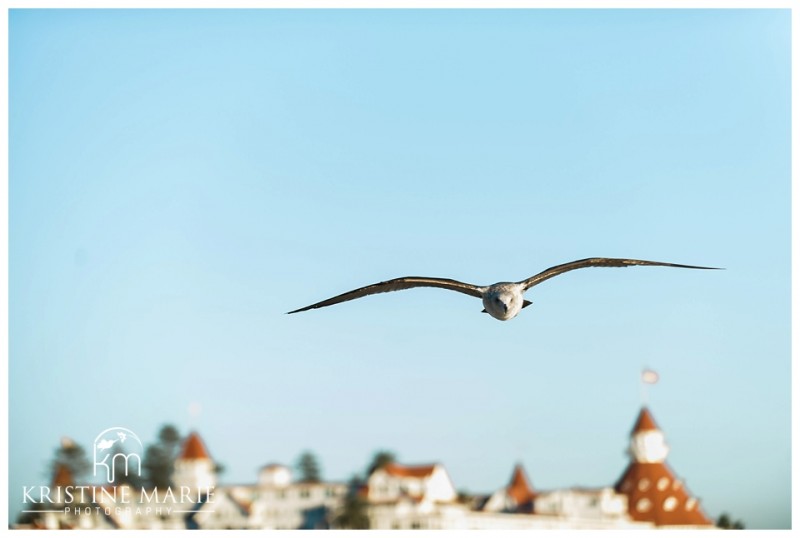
180	179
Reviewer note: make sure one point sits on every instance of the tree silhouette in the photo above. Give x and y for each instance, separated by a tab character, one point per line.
353	514
726	522
308	467
159	458
381	458
72	456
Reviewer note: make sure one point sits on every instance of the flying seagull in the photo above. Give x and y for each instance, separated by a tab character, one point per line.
503	300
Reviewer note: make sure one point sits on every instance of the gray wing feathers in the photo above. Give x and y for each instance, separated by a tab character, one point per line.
397	284
597	262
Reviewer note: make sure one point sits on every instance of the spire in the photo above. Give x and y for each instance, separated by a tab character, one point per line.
519	488
644	422
194	448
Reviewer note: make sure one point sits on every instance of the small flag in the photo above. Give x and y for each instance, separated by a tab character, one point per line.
649	376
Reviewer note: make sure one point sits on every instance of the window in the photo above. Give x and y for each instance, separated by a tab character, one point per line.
305	493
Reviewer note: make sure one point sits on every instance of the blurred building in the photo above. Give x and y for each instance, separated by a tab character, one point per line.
194	467
278	502
653	491
423	483
423	497
647	495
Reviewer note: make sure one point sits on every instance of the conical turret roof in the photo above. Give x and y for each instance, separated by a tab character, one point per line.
194	448
654	492
519	487
644	422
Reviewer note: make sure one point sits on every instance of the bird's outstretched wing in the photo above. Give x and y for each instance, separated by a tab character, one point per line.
397	284
596	262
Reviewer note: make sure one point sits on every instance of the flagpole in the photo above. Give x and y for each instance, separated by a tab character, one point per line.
648	377
643	387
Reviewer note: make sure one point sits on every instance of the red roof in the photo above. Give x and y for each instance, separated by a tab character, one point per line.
519	488
644	422
194	448
62	476
408	471
655	495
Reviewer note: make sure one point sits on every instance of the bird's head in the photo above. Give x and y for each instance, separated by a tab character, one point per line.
502	302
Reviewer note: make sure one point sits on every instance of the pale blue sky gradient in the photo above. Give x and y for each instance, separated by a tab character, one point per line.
180	179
